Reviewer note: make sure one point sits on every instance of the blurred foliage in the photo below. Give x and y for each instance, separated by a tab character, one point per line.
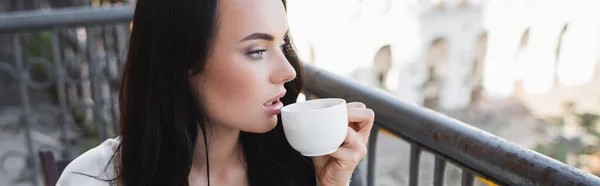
39	46
587	144
553	121
590	122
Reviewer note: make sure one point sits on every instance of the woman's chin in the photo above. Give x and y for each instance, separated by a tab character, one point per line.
271	124
264	127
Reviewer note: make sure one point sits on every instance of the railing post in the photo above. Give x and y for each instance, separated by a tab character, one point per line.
372	155
467	178
415	156
438	172
95	75
359	174
27	117
62	96
365	171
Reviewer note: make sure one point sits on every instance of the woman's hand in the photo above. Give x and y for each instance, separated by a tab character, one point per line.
336	169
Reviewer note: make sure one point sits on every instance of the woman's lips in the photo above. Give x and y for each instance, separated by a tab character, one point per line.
274	107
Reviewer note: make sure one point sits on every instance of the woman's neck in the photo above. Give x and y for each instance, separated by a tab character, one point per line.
224	152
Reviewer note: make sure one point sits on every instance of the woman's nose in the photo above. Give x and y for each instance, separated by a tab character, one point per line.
284	72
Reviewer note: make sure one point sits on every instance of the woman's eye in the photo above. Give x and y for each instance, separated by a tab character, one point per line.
256	54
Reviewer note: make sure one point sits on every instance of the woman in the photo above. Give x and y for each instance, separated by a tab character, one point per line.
202	88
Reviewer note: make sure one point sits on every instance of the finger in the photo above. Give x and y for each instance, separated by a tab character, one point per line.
361	116
356	105
361	120
352	150
352	139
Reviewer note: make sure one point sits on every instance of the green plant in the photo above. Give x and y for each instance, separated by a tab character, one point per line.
590	122
559	147
556	150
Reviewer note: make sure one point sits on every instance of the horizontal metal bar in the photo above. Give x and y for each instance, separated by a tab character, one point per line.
486	154
66	17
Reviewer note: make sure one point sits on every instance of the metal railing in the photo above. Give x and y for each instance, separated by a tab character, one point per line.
476	152
63	66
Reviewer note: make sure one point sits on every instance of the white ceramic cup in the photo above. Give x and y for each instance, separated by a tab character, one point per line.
315	127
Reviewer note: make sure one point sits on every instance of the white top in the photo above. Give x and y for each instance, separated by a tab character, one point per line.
94	162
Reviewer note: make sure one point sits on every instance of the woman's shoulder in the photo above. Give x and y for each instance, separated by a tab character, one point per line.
91	167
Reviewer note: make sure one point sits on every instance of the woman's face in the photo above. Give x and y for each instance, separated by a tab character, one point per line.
247	68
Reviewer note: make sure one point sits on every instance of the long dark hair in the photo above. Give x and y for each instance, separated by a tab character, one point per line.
171	41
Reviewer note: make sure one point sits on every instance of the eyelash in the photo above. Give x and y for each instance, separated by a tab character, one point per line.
257	54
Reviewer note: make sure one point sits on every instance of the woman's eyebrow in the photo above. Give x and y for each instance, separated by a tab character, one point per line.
262	36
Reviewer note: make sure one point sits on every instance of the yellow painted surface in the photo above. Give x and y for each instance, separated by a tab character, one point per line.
383	131
487	182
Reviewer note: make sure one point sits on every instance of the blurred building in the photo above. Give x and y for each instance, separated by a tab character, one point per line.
449	54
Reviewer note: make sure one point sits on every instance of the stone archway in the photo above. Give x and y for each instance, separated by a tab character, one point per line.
576	54
436	72
439	4
311	55
561	37
476	78
520	60
463	3
381	66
